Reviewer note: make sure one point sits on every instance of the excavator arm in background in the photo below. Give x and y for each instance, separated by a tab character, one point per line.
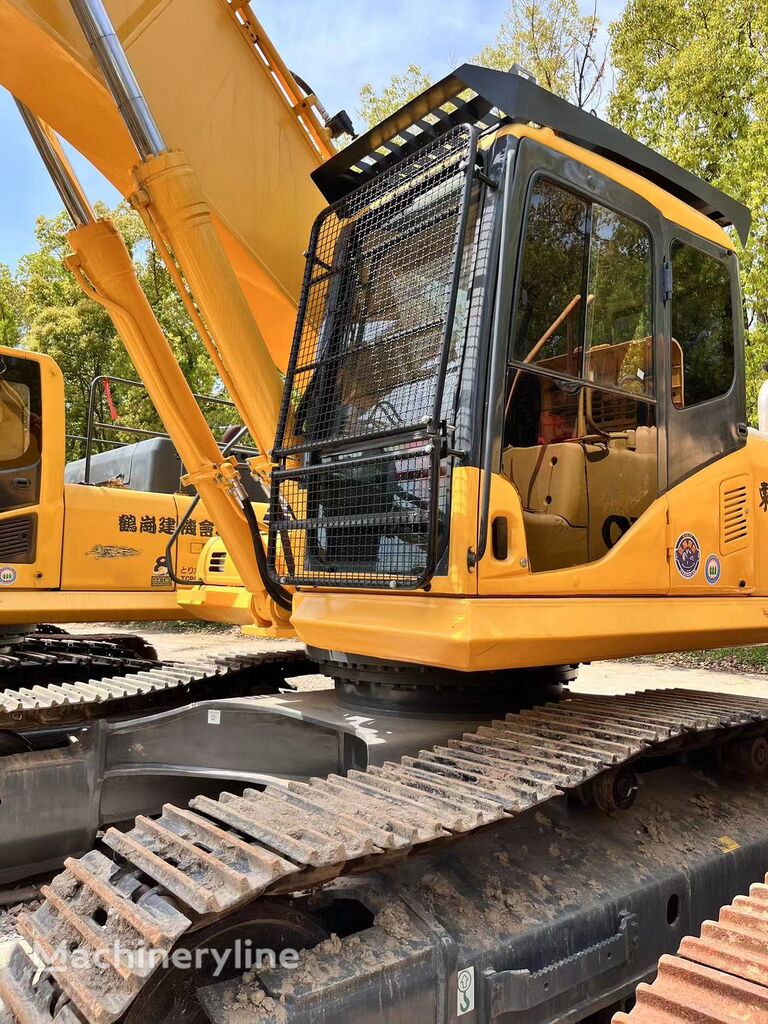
224	98
238	256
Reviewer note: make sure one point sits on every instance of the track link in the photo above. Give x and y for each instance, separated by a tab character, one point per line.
48	655
717	977
176	873
143	686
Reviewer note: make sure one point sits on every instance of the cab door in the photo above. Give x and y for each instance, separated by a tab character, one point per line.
711	495
582	441
31	470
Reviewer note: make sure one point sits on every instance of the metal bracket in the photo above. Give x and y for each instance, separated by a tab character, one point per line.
513	991
224	474
486	178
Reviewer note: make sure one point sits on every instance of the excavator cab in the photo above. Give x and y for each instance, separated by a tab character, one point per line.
103	538
593	385
520	342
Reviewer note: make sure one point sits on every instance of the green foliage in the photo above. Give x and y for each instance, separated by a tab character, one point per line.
556	43
552	40
43	309
10	306
692	82
375	106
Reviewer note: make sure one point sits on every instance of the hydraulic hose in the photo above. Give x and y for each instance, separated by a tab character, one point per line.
279	595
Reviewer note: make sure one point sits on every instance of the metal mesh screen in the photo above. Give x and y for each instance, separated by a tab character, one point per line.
356	499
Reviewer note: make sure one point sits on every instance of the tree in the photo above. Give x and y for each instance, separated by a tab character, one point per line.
10	304
692	82
554	41
48	313
375	106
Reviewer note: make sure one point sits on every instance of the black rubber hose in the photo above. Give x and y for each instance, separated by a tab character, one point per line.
279	595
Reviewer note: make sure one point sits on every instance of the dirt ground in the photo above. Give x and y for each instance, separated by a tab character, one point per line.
607	677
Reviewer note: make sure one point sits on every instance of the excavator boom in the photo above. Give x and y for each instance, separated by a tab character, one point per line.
222	95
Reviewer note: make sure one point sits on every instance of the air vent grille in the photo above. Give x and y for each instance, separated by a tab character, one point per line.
734	514
218	562
17	539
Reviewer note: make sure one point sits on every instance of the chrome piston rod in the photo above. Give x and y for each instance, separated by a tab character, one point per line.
118	74
57	165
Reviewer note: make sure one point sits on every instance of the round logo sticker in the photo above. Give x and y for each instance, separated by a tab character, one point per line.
7	576
712	569
687	555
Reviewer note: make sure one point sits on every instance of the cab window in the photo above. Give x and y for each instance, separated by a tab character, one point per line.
20	432
549	306
619	343
580	440
703	343
15	401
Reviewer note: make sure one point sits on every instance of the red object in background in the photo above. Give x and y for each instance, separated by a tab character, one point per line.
108	394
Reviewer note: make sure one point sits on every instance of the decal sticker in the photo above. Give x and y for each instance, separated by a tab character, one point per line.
712	569
465	982
764	495
167	524
127	523
7	576
148	524
160	576
687	555
214	717
112	551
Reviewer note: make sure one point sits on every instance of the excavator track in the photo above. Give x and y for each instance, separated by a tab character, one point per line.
139	685
49	655
717	977
175	874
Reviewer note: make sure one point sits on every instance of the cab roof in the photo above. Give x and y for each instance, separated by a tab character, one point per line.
490	99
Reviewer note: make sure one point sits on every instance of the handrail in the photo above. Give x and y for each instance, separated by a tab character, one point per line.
301	108
92	423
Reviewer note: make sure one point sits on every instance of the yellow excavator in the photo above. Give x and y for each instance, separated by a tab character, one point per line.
74	553
126	549
511	437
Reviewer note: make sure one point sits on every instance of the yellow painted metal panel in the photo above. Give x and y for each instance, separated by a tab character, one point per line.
22	607
107	540
695	522
482	634
217	604
44	573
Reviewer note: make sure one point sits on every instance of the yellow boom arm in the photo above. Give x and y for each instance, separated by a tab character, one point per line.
220	93
234	219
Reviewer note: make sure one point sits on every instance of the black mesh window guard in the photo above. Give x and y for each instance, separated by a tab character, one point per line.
359	495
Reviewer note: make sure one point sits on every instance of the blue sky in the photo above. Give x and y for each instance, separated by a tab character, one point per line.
364	40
